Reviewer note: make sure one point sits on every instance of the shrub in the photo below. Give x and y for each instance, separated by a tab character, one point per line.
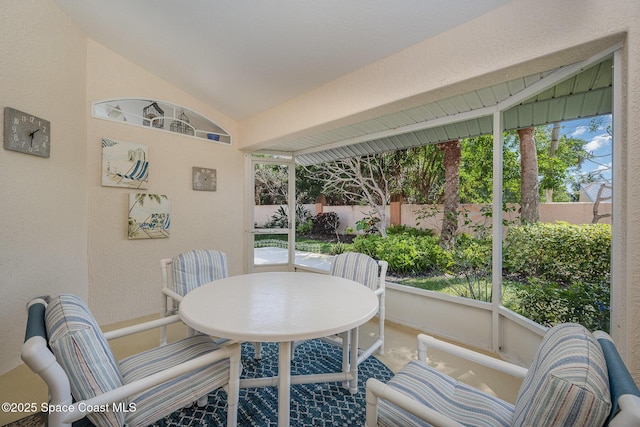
338	248
563	253
404	229
548	303
406	254
304	228
280	219
325	223
368	224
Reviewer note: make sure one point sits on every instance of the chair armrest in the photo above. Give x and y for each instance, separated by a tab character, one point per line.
231	352
425	341
629	414
378	390
171	294
625	395
141	327
38	357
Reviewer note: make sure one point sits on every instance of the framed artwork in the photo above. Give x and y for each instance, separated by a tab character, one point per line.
149	216
125	164
204	179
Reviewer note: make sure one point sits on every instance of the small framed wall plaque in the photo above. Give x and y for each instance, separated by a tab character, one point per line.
204	179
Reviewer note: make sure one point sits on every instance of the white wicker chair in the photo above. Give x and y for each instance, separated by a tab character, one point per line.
573	380
65	346
188	271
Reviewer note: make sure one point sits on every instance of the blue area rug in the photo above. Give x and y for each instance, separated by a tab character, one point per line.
313	405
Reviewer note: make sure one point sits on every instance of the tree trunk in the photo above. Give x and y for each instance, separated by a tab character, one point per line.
451	160
529	200
553	147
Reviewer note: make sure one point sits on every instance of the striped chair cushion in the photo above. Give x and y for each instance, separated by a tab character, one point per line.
194	268
160	401
357	267
83	352
567	383
463	403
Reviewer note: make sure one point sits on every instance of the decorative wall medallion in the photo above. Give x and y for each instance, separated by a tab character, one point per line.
204	179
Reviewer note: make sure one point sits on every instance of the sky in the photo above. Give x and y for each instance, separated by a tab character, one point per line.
599	143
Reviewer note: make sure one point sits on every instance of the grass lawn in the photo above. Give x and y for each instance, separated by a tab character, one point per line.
475	288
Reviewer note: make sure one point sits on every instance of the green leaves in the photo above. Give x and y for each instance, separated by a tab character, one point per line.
560	252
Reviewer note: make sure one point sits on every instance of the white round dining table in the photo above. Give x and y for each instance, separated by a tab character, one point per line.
283	307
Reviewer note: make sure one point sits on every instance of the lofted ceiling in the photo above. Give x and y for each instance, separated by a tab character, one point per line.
243	57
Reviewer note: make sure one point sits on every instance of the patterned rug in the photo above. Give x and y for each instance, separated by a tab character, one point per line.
313	405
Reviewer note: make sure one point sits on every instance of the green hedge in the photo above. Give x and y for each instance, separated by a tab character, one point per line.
549	303
561	252
405	253
562	270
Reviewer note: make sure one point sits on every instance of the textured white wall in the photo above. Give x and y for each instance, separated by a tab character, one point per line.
43	202
62	231
125	274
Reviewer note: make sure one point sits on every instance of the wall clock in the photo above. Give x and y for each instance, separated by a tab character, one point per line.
26	133
204	179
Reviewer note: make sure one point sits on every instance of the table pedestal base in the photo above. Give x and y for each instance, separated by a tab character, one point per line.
284	380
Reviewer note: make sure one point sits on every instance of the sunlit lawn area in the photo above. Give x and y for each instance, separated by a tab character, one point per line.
479	289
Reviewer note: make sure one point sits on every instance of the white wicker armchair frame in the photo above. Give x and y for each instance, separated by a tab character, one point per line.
41	360
623	392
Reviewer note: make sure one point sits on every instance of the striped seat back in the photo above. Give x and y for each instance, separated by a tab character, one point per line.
195	268
83	352
567	383
358	267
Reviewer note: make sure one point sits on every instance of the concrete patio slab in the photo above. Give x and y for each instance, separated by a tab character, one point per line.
272	255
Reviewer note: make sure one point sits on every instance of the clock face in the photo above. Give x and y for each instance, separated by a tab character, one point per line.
204	179
26	133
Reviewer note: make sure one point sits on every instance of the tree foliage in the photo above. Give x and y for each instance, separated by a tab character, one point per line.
271	184
418	174
364	179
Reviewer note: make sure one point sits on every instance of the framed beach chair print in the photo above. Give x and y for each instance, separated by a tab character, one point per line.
149	216
125	164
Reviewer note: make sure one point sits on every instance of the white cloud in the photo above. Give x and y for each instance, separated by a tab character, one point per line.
598	142
580	130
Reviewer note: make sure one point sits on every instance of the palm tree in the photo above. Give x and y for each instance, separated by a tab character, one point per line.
529	199
452	153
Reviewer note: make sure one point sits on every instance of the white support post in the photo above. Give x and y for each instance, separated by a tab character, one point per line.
620	285
496	267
